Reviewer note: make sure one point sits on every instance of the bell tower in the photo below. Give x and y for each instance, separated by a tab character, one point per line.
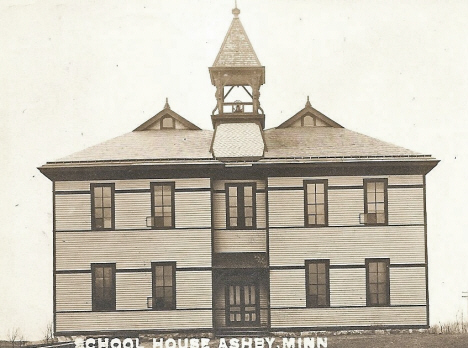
237	69
238	118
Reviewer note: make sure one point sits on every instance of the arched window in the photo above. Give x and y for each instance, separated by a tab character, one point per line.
167	122
307	121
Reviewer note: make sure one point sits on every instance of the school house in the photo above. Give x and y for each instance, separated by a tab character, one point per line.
239	229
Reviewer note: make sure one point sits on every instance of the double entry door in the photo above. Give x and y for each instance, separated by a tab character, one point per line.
242	304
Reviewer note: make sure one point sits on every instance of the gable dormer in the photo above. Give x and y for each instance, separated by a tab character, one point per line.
166	119
309	117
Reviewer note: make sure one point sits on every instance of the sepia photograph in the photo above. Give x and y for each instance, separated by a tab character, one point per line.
233	174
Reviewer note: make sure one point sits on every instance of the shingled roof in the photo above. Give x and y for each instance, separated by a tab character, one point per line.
236	50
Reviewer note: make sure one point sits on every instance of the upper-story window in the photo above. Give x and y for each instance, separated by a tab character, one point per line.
316	203
308	121
162	207
103	292
375	202
240	206
102	206
378	282
317	283
167	122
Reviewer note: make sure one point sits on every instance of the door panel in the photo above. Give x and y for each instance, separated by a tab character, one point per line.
242	304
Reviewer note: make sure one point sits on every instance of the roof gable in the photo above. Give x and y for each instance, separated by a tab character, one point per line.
155	122
236	50
309	117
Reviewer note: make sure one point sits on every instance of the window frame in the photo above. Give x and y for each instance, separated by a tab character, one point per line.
93	206
94	301
327	282
306	202
161	126
153	197
153	286
366	208
241	208
387	280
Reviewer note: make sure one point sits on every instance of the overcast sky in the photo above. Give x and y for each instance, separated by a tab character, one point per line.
76	73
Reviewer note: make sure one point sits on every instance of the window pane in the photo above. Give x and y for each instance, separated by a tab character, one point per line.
233	201
98	202
248	222
107	223
232	191
311	189
248	212
168	122
248	191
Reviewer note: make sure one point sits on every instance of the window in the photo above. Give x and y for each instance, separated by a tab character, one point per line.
102	206
103	286
316	203
308	121
317	283
240	206
167	122
162	207
378	282
164	295
375	202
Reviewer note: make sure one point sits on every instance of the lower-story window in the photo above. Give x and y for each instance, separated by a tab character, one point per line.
378	282
103	278
164	294
318	283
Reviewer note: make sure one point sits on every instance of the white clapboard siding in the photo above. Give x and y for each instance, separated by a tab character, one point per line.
132	184
192	209
344	207
348	287
405	179
132	290
133	249
193	289
219	210
233	241
73	292
287	288
72	212
408	286
405	206
359	316
347	245
261	210
286	208
134	320
345	180
221	184
131	210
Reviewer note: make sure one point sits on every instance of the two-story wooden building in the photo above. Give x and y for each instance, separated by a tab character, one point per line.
305	226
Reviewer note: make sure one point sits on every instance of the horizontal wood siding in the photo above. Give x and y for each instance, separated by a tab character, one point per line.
237	241
73	292
219	210
132	290
358	316
287	288
345	180
347	287
406	206
347	245
408	286
131	210
133	320
193	289
133	249
72	212
344	207
132	184
192	209
286	208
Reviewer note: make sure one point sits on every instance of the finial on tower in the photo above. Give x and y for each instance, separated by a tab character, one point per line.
166	106
308	104
235	11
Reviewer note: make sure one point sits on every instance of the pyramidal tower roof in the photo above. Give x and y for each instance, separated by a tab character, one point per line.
236	50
